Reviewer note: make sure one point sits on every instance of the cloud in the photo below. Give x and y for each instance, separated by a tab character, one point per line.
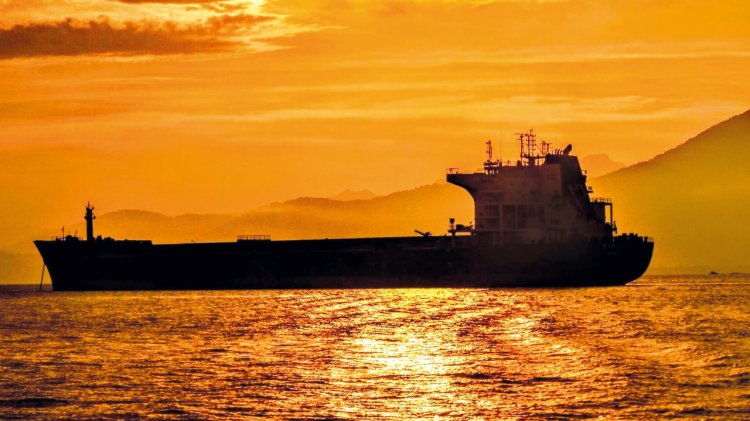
170	1
219	6
234	23
574	28
516	110
70	37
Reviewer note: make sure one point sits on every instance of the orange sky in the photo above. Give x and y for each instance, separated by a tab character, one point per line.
185	106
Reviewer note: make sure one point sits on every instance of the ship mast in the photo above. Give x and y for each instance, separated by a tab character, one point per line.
490	166
530	151
89	217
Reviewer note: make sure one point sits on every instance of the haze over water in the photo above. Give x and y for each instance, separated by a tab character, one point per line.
661	347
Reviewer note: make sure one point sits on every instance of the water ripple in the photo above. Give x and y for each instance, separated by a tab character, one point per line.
677	349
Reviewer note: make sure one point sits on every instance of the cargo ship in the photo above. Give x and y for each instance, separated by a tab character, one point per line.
535	225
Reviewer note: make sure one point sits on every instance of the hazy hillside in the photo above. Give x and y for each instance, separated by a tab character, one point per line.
348	195
139	224
426	208
600	164
693	199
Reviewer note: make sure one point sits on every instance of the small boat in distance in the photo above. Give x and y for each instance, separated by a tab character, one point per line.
535	226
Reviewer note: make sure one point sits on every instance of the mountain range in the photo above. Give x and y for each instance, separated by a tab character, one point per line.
600	164
692	199
426	208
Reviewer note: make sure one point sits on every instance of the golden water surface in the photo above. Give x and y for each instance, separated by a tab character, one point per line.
663	347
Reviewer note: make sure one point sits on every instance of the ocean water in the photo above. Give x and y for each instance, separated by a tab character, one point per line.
663	347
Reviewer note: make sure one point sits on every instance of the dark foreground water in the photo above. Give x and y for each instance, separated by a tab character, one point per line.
663	347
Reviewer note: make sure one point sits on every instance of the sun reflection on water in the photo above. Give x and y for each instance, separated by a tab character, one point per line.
416	354
488	354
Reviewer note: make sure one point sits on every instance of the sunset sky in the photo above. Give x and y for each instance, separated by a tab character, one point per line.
181	106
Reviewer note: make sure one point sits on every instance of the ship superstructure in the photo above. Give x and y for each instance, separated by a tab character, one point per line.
541	198
535	225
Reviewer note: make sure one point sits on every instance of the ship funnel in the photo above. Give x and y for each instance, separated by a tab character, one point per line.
89	222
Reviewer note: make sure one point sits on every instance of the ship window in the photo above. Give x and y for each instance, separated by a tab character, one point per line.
509	216
540	214
555	235
488	198
521	217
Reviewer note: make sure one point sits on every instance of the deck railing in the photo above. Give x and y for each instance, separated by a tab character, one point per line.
254	237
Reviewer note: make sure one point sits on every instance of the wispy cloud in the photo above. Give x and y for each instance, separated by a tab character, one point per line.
516	109
70	37
539	56
102	37
170	1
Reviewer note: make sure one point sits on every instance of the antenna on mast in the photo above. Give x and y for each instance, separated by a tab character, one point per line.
529	152
500	148
490	166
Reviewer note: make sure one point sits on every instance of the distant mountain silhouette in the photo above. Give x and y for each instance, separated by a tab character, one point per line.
349	195
600	164
693	199
426	208
139	224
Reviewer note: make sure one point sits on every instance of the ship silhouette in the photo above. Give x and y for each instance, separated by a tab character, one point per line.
535	225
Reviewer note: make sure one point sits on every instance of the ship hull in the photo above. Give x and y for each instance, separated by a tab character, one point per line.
399	262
